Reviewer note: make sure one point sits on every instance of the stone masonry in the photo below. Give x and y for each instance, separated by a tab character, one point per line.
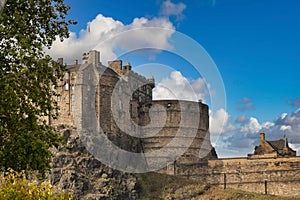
123	104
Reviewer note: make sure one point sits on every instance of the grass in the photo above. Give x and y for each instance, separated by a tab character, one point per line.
216	193
155	186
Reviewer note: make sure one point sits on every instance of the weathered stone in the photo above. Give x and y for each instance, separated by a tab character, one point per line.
124	105
76	170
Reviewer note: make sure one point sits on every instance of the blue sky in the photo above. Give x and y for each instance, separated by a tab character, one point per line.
255	45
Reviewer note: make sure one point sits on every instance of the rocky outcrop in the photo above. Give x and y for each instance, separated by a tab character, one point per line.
74	169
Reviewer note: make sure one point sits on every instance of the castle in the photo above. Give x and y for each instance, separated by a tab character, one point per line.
123	104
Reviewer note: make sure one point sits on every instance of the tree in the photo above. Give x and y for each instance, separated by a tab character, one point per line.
27	76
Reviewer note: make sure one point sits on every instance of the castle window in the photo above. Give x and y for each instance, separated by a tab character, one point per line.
131	110
58	98
120	105
73	97
73	87
169	105
73	108
67	76
67	86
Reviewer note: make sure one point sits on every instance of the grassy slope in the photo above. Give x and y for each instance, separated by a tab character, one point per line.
161	186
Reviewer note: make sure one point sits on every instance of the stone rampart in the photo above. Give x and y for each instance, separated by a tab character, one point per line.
179	126
277	176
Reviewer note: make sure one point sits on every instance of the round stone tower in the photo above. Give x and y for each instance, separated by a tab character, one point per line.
179	127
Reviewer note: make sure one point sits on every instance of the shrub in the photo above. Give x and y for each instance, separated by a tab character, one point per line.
15	185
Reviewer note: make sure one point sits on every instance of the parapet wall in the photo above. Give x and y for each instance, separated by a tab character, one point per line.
277	176
180	127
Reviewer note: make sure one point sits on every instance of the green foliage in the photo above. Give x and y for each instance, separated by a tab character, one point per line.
15	186
27	76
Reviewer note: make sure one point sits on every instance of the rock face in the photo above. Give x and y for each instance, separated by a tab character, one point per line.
74	169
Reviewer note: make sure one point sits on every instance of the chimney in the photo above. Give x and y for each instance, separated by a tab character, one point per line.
262	138
75	62
85	57
60	61
94	58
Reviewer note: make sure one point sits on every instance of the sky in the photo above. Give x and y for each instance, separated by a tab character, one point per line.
241	57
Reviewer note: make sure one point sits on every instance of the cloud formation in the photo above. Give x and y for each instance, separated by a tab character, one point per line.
246	135
176	86
244	104
169	9
219	122
295	102
241	119
102	29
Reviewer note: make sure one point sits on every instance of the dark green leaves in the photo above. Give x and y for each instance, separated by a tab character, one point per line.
26	78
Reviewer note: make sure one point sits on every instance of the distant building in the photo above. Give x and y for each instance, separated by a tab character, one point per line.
277	148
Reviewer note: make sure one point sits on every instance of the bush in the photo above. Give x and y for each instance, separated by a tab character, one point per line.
14	185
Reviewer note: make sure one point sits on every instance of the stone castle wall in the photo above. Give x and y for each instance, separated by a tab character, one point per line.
277	176
179	127
125	110
123	104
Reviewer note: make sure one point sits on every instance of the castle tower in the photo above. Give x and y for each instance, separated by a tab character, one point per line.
126	67
187	123
92	57
151	81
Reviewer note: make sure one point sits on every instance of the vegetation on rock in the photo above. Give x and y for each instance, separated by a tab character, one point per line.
27	79
14	185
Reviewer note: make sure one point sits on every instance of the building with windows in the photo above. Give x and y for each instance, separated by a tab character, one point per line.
124	104
272	149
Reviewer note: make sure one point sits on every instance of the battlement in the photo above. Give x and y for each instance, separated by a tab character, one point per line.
118	82
273	167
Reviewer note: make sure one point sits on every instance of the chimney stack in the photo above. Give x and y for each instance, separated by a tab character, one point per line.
94	58
60	61
262	138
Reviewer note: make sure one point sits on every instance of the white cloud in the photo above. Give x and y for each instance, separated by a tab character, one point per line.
139	33
246	136
292	119
179	87
218	122
267	125
252	126
285	128
171	9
